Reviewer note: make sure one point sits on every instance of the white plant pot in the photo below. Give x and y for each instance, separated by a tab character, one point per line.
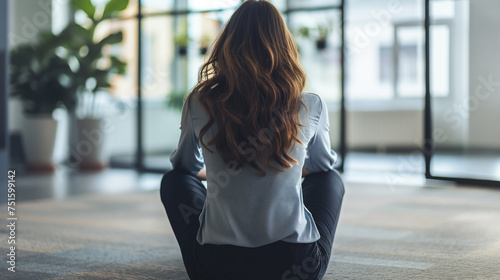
92	149
39	137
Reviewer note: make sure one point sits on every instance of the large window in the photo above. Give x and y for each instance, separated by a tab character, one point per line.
385	49
173	37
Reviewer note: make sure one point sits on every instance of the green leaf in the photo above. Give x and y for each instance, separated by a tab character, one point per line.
101	77
86	6
114	6
113	38
117	65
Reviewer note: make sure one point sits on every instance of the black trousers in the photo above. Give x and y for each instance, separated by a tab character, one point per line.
183	196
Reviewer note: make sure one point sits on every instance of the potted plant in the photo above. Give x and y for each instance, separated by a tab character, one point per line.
95	65
41	79
205	42
182	41
321	33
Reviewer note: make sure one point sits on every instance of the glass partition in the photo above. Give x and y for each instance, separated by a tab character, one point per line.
160	116
298	4
318	38
465	132
123	89
203	5
157	6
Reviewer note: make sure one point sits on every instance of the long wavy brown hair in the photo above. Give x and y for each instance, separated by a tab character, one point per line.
251	87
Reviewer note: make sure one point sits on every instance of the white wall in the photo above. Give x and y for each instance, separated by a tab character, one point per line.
484	64
380	129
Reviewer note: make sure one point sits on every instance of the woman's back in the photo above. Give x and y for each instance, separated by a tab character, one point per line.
244	207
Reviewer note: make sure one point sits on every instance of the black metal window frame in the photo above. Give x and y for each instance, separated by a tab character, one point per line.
429	147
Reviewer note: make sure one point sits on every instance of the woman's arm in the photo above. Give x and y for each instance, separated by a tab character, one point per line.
305	172
320	157
188	156
202	175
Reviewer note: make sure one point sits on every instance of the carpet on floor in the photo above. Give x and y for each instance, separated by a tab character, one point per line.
384	233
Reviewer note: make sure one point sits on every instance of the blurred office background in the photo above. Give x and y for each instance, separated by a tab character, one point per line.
376	98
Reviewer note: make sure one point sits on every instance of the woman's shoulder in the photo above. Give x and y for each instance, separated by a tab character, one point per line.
193	100
312	101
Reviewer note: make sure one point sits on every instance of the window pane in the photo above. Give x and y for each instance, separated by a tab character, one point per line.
319	50
200	5
161	115
157	56
369	55
123	86
279	4
440	60
410	53
442	9
157	6
320	60
465	128
169	72
312	3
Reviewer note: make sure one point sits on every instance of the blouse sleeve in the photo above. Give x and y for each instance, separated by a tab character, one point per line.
188	155
320	157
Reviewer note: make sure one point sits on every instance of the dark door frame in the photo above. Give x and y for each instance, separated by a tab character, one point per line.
429	147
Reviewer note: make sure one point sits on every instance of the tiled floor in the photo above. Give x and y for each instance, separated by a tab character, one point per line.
389	170
67	183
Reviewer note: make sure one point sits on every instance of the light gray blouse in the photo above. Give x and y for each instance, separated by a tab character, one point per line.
243	207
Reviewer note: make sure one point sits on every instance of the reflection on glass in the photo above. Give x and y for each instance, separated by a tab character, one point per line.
201	5
279	4
370	49
410	61
318	39
123	125
157	56
385	48
161	113
440	60
172	56
465	131
442	9
312	3
157	6
125	86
